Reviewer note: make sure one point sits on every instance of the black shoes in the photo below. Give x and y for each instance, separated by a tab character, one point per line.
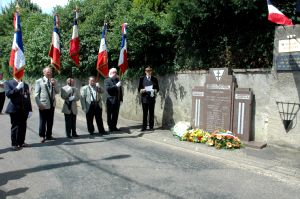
114	129
104	133
150	129
50	138
43	139
16	148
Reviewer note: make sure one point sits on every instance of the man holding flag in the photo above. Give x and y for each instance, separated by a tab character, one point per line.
102	63
123	63
19	107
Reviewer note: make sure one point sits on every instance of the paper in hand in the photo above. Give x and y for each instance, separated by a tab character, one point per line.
149	88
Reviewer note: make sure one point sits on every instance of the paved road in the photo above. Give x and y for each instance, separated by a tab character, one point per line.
130	164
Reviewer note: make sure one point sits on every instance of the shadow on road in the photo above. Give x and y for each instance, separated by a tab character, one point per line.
58	141
117	157
14	175
5	150
13	192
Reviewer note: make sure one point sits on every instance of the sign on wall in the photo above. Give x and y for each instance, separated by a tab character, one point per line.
286	53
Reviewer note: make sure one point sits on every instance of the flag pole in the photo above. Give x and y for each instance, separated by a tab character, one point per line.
120	72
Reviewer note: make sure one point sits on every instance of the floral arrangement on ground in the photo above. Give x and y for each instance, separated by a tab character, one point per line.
220	139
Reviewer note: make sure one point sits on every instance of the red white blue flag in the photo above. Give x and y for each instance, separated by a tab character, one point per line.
75	42
17	58
54	52
276	16
123	62
102	63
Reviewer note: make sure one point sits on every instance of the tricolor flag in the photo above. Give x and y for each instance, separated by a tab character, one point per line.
17	58
276	16
74	43
54	52
123	63
102	63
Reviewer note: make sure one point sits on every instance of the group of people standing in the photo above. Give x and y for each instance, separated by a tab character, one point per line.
20	109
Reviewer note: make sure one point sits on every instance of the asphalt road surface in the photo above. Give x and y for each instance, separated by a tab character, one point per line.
121	165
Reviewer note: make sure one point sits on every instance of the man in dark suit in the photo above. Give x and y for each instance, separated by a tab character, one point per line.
114	97
148	88
19	108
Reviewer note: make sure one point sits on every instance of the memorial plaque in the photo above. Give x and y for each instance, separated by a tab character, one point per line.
197	104
242	113
212	104
219	90
286	53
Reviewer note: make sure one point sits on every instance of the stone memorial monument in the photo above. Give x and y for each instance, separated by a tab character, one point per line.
219	104
212	103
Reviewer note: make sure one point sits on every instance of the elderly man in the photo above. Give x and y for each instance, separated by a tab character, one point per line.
70	95
45	90
90	98
114	98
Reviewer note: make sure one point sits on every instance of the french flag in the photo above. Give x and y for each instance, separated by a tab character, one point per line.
277	17
54	52
102	63
74	43
123	63
17	58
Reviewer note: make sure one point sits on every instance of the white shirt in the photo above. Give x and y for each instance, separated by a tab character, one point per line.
2	83
93	92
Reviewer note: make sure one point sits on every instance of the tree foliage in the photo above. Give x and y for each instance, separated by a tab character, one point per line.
171	35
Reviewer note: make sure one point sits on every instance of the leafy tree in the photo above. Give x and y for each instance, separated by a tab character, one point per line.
170	35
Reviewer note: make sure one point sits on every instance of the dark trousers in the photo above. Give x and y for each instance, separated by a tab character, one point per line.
95	111
70	120
148	108
18	122
2	99
112	115
46	122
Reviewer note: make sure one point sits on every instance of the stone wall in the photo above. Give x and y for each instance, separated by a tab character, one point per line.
174	101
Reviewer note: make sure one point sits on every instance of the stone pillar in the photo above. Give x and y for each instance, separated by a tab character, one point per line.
242	113
197	107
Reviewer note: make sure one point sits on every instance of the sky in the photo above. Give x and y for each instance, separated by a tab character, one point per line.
45	5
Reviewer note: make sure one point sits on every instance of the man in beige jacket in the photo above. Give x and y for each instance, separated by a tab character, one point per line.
90	98
70	95
45	90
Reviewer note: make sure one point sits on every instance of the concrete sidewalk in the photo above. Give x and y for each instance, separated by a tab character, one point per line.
280	163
